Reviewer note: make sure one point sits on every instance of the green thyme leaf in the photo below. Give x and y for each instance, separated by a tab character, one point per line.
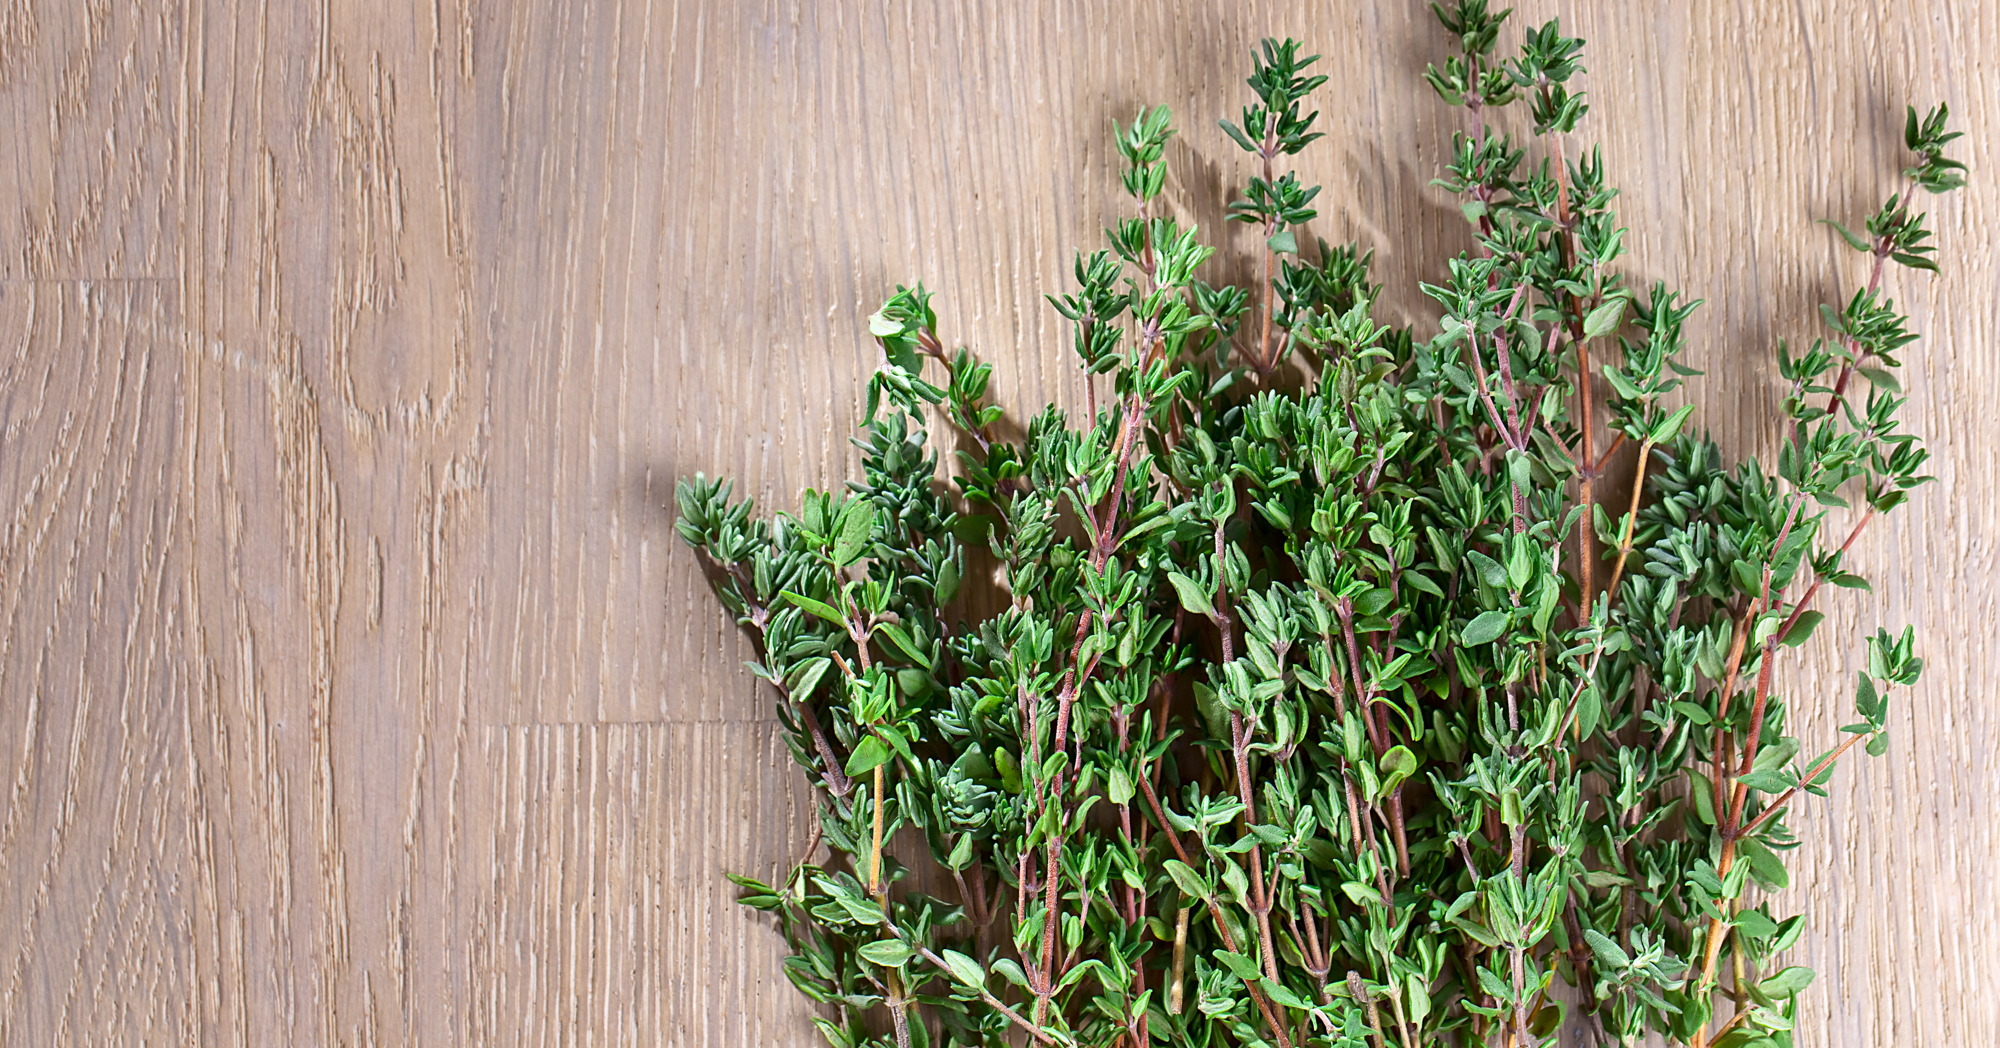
1486	628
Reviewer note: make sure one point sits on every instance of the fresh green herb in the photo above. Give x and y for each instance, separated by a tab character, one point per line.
1328	704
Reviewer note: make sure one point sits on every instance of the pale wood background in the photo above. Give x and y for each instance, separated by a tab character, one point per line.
353	687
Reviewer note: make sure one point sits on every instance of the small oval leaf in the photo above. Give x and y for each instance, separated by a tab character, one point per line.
888	953
1485	629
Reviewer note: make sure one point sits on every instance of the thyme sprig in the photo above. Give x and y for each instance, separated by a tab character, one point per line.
1329	703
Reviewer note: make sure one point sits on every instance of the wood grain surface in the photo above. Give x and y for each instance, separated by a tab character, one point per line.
354	689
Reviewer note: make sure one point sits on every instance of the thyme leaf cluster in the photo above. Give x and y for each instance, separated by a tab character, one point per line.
1331	698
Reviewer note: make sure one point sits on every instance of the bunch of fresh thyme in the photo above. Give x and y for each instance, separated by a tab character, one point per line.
1333	702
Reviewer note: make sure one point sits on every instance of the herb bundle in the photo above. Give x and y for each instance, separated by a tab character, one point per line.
1333	699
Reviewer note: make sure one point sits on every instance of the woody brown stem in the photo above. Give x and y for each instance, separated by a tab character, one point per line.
1631	518
1221	927
875	849
1777	804
1268	151
1805	601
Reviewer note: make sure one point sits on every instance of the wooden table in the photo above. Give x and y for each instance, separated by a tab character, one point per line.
354	688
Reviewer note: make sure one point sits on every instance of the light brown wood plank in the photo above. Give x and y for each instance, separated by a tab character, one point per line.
353	686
